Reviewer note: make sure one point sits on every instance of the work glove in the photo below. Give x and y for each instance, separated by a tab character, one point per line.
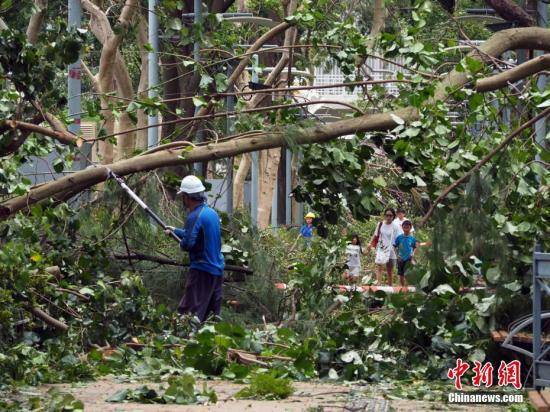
169	229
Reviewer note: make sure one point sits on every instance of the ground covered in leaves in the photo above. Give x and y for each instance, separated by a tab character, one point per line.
105	395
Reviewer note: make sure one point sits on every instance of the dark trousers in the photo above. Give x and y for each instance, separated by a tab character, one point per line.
402	266
203	294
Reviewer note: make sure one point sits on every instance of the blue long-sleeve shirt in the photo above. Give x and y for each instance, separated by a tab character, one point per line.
201	237
306	231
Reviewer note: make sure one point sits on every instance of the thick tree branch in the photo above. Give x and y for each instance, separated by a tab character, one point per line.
86	178
533	38
110	47
47	318
522	71
483	161
62	137
165	261
36	20
511	12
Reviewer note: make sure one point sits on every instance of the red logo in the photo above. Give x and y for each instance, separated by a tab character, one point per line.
456	373
508	373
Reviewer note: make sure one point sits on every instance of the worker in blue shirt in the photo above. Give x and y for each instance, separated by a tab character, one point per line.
201	237
306	231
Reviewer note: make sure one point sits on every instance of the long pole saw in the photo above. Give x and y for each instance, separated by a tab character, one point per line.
140	202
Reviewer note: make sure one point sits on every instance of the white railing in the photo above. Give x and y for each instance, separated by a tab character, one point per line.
377	69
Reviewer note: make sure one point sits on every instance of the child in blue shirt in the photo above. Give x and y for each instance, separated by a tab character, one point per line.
405	246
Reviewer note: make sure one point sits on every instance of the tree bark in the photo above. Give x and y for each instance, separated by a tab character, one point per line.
79	181
378	21
245	163
269	166
47	318
61	136
503	79
280	28
511	12
141	139
239	180
36	20
111	67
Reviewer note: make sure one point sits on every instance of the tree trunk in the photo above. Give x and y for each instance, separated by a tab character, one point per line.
269	165
141	139
239	179
378	21
36	20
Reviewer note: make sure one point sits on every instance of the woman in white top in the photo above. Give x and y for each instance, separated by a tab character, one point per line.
383	238
353	252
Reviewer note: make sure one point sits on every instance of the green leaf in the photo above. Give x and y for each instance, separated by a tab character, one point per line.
443	289
420	182
86	291
412	132
493	275
500	219
199	101
119	396
397	119
440	129
379	181
417	48
58	165
477	355
175	24
473	65
221	82
205	81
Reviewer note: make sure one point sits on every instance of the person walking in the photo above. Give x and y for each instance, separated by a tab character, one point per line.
400	212
201	237
384	236
353	252
405	245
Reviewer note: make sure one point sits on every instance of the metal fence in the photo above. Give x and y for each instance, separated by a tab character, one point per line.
377	69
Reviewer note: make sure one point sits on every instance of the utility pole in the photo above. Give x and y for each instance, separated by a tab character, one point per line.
74	83
255	167
153	71
197	18
230	106
288	187
540	134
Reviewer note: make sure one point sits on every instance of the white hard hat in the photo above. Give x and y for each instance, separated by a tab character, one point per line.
191	184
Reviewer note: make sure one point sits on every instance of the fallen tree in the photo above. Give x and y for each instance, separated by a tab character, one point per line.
529	38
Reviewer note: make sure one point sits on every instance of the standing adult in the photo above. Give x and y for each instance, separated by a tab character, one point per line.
306	231
400	212
201	237
384	236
